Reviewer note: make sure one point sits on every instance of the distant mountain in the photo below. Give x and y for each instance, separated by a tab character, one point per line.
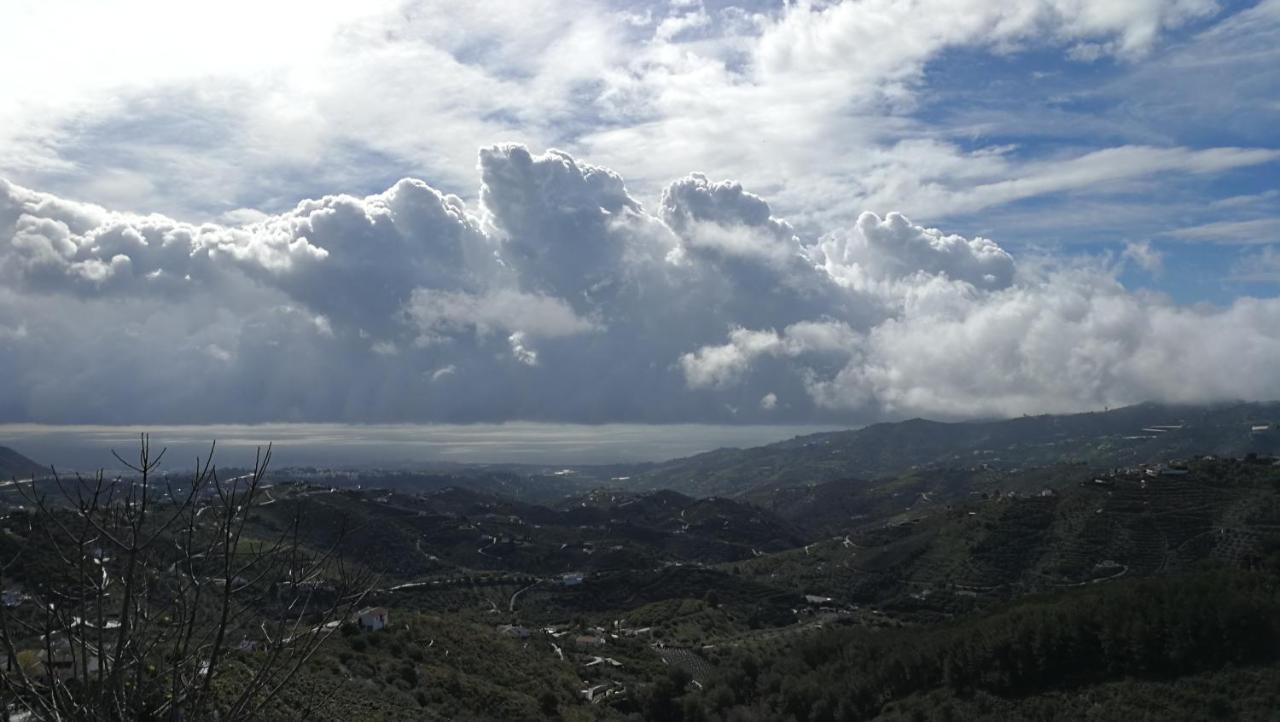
1130	435
16	466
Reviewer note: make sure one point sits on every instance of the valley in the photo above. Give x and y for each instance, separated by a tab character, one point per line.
521	594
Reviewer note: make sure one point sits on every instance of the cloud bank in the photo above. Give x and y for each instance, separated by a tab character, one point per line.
560	297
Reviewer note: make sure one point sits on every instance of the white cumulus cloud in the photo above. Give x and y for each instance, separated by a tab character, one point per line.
560	297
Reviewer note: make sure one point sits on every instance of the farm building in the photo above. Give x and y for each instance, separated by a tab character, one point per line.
372	618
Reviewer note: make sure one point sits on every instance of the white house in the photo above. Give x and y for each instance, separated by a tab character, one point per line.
372	618
572	579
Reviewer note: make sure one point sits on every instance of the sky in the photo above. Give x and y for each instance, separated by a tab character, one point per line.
704	212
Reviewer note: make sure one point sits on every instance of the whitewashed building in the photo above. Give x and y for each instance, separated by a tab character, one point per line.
372	618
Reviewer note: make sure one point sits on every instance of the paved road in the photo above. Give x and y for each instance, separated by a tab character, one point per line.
512	606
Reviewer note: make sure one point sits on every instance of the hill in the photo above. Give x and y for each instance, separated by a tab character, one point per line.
1144	433
16	466
931	558
460	531
982	589
1202	646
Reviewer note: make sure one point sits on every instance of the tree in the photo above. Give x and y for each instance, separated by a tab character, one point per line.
156	600
548	703
662	702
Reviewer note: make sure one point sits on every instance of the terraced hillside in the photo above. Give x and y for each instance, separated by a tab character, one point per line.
832	507
950	557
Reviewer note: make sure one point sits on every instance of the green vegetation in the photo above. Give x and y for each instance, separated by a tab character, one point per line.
1037	578
1150	630
429	666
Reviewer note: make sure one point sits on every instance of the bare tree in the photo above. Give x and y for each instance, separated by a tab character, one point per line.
151	599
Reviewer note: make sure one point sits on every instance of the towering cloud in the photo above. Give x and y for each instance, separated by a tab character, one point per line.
556	218
560	297
894	248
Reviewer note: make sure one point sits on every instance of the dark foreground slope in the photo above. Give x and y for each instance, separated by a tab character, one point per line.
1197	646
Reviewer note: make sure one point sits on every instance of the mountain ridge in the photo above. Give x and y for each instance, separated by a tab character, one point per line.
15	465
1142	433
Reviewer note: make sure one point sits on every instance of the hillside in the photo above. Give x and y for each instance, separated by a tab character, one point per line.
1144	433
16	466
834	507
923	545
461	531
610	604
931	558
1202	646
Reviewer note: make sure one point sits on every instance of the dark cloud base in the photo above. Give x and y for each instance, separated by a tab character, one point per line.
561	299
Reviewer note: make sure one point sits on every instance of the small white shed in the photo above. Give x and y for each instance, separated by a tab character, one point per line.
372	618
